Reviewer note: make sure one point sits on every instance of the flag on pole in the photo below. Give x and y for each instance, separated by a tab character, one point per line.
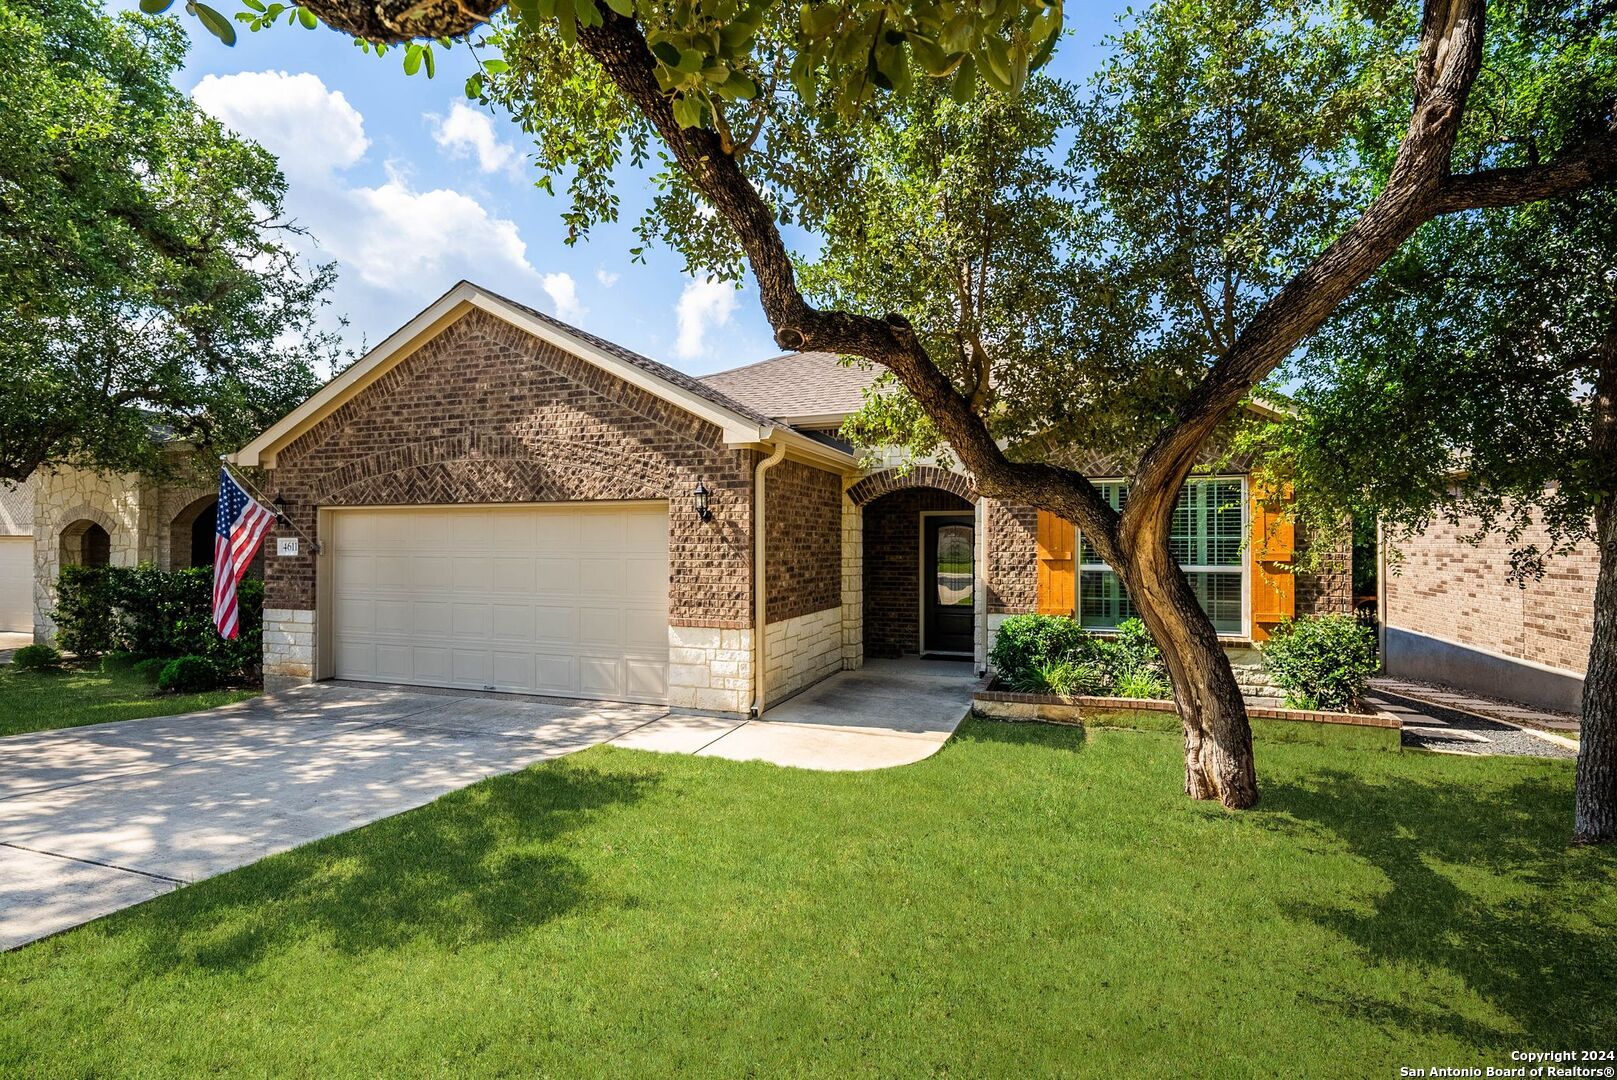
238	529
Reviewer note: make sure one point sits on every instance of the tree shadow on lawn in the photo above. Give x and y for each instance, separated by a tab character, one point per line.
1481	887
474	866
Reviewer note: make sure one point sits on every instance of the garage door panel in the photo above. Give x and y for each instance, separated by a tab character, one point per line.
472	620
554	600
515	577
602	577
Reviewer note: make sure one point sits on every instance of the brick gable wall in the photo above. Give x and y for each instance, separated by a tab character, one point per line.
487	413
803	542
1448	589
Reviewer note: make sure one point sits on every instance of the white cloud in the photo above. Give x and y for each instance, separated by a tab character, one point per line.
391	235
312	130
703	305
467	132
607	278
563	292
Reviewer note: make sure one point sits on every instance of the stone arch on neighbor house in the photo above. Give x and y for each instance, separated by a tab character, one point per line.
191	532
85	541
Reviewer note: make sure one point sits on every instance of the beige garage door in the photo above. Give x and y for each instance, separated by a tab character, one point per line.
17	583
569	600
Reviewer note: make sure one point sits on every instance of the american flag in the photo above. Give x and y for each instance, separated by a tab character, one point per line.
238	529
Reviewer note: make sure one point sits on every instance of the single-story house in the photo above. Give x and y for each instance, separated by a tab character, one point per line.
84	517
492	499
1450	614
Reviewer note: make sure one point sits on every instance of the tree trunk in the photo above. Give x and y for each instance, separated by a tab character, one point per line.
1595	813
1218	738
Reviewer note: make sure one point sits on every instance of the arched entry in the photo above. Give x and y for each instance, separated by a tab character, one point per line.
919	564
85	543
191	534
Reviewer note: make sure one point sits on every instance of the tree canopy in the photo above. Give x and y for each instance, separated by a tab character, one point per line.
150	286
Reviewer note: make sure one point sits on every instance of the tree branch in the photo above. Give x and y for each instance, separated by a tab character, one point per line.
620	48
1450	57
1593	163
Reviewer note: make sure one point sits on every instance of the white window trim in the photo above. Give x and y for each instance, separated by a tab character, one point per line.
1245	633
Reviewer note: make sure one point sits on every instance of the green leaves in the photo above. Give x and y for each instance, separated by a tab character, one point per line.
155	7
215	23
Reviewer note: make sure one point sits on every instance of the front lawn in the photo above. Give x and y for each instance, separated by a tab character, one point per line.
42	700
1033	900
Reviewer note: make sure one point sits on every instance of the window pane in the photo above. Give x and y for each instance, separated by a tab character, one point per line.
954	565
1102	600
1207	524
1220	596
1115	494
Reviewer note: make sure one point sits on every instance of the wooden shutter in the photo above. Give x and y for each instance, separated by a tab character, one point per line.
1055	565
1274	547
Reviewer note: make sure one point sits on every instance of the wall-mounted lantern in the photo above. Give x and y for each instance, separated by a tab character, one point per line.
701	502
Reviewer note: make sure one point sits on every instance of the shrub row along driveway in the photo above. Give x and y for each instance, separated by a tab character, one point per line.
93	819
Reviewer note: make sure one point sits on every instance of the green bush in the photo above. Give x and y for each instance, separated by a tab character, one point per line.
36	658
1026	641
189	675
86	612
1052	654
1323	662
1142	683
117	661
150	669
159	613
1069	678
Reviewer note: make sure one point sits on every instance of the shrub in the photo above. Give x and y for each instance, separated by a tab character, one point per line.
161	613
36	658
86	612
1026	641
1069	678
151	670
117	661
189	675
1142	683
1323	662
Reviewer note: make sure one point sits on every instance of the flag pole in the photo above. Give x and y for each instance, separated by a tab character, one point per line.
280	519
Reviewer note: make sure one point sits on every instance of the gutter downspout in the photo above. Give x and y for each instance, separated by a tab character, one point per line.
759	591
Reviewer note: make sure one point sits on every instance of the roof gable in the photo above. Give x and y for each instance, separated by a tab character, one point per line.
740	423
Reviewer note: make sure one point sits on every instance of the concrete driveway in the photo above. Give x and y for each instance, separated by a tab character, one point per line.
93	819
10	642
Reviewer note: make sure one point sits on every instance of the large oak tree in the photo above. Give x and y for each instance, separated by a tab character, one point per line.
148	282
736	98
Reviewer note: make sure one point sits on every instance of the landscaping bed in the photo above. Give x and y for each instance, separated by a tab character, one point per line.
1368	730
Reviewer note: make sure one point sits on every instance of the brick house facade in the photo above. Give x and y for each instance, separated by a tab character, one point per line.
1451	614
494	500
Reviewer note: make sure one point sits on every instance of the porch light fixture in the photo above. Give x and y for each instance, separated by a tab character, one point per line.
279	502
700	493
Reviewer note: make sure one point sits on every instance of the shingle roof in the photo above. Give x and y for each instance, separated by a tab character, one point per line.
798	384
17	508
714	394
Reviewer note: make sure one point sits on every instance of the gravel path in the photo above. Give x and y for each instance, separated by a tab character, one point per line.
1435	727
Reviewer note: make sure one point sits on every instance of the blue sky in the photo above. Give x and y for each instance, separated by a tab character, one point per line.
409	188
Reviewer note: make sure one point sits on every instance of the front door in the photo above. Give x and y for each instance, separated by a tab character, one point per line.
948	584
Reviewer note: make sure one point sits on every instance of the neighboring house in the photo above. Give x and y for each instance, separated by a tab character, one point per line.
17	557
1451	615
504	502
89	518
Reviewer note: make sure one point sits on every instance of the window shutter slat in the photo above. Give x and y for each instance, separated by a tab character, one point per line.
1055	565
1274	548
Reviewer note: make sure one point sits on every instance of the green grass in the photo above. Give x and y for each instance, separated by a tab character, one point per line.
44	700
1032	900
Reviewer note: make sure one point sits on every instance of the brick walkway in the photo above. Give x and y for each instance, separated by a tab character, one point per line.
1442	718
